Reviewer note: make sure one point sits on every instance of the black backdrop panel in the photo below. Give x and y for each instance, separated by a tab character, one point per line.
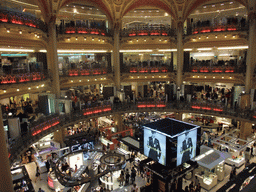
108	92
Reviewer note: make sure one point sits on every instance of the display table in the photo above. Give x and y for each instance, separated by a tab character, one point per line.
207	182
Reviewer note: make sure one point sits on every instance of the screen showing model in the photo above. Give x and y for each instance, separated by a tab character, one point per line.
155	146
186	146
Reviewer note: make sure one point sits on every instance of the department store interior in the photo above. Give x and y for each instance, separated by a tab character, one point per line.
127	96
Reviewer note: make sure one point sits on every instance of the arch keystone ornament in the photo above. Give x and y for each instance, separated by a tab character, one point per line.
118	2
180	1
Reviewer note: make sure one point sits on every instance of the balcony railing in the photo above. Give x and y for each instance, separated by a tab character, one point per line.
148	31
162	69
49	124
220	69
23	77
219	28
85	30
11	16
86	72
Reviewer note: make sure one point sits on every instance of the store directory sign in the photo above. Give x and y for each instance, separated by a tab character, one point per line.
155	146
186	146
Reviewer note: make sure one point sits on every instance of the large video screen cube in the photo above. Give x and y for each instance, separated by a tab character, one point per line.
155	145
186	146
171	142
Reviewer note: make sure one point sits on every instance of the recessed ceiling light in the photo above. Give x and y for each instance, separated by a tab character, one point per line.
18	89
204	7
4	91
20	32
8	30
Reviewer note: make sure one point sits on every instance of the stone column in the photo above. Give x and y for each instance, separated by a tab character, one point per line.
251	58
52	59
178	116
245	130
6	183
180	55
119	122
116	59
59	136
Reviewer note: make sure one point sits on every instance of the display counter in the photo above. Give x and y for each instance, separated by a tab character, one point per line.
21	180
238	161
106	142
53	182
207	182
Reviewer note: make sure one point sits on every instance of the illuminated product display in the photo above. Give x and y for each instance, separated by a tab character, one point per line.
186	146
155	146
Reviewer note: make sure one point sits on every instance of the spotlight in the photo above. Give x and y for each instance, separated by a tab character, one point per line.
20	32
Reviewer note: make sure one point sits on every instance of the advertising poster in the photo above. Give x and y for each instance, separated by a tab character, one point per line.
155	146
186	146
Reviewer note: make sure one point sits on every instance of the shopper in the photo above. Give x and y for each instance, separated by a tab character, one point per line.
75	168
37	173
127	177
41	190
134	188
196	181
186	189
191	186
198	188
121	178
133	175
47	165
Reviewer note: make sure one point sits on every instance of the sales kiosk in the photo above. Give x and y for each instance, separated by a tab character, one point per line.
211	167
171	143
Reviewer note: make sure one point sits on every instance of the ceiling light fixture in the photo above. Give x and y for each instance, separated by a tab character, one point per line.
204	49
235	47
20	32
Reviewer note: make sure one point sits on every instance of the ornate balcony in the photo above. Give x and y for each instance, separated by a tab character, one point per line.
148	31
216	29
18	18
135	70
86	72
216	69
22	78
85	31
